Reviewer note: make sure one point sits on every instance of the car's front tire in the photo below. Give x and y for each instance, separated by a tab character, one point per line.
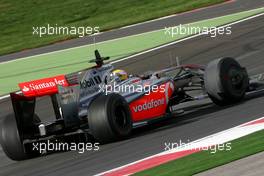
226	81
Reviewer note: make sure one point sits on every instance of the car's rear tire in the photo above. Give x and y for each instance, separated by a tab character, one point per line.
109	118
226	81
11	140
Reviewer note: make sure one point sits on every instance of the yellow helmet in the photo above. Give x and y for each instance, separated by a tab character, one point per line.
121	74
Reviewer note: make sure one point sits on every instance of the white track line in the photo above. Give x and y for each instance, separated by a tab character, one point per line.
5	96
184	39
163	46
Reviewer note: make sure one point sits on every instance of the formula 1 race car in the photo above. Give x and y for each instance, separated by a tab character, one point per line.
95	103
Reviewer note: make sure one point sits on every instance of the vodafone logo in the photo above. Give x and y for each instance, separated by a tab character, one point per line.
149	105
42	87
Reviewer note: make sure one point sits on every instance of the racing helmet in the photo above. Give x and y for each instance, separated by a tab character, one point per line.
121	74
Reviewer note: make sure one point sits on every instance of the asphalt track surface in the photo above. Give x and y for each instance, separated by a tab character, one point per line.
230	7
246	44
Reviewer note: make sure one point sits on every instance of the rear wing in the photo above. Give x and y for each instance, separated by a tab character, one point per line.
64	100
42	87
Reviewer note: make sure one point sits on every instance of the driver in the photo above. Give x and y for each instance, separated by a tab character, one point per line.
120	75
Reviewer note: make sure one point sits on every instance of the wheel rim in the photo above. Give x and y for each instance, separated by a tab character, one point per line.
236	78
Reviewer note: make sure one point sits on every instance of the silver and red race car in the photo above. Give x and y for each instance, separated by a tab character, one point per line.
95	103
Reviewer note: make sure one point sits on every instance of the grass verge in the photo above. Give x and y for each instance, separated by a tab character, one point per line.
18	17
204	160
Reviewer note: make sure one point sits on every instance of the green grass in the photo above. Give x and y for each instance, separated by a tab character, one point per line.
203	161
74	59
17	17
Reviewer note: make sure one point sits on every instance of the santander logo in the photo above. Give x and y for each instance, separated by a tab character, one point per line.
25	89
44	86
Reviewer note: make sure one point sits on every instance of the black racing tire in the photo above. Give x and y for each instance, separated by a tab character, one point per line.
11	140
226	82
109	118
